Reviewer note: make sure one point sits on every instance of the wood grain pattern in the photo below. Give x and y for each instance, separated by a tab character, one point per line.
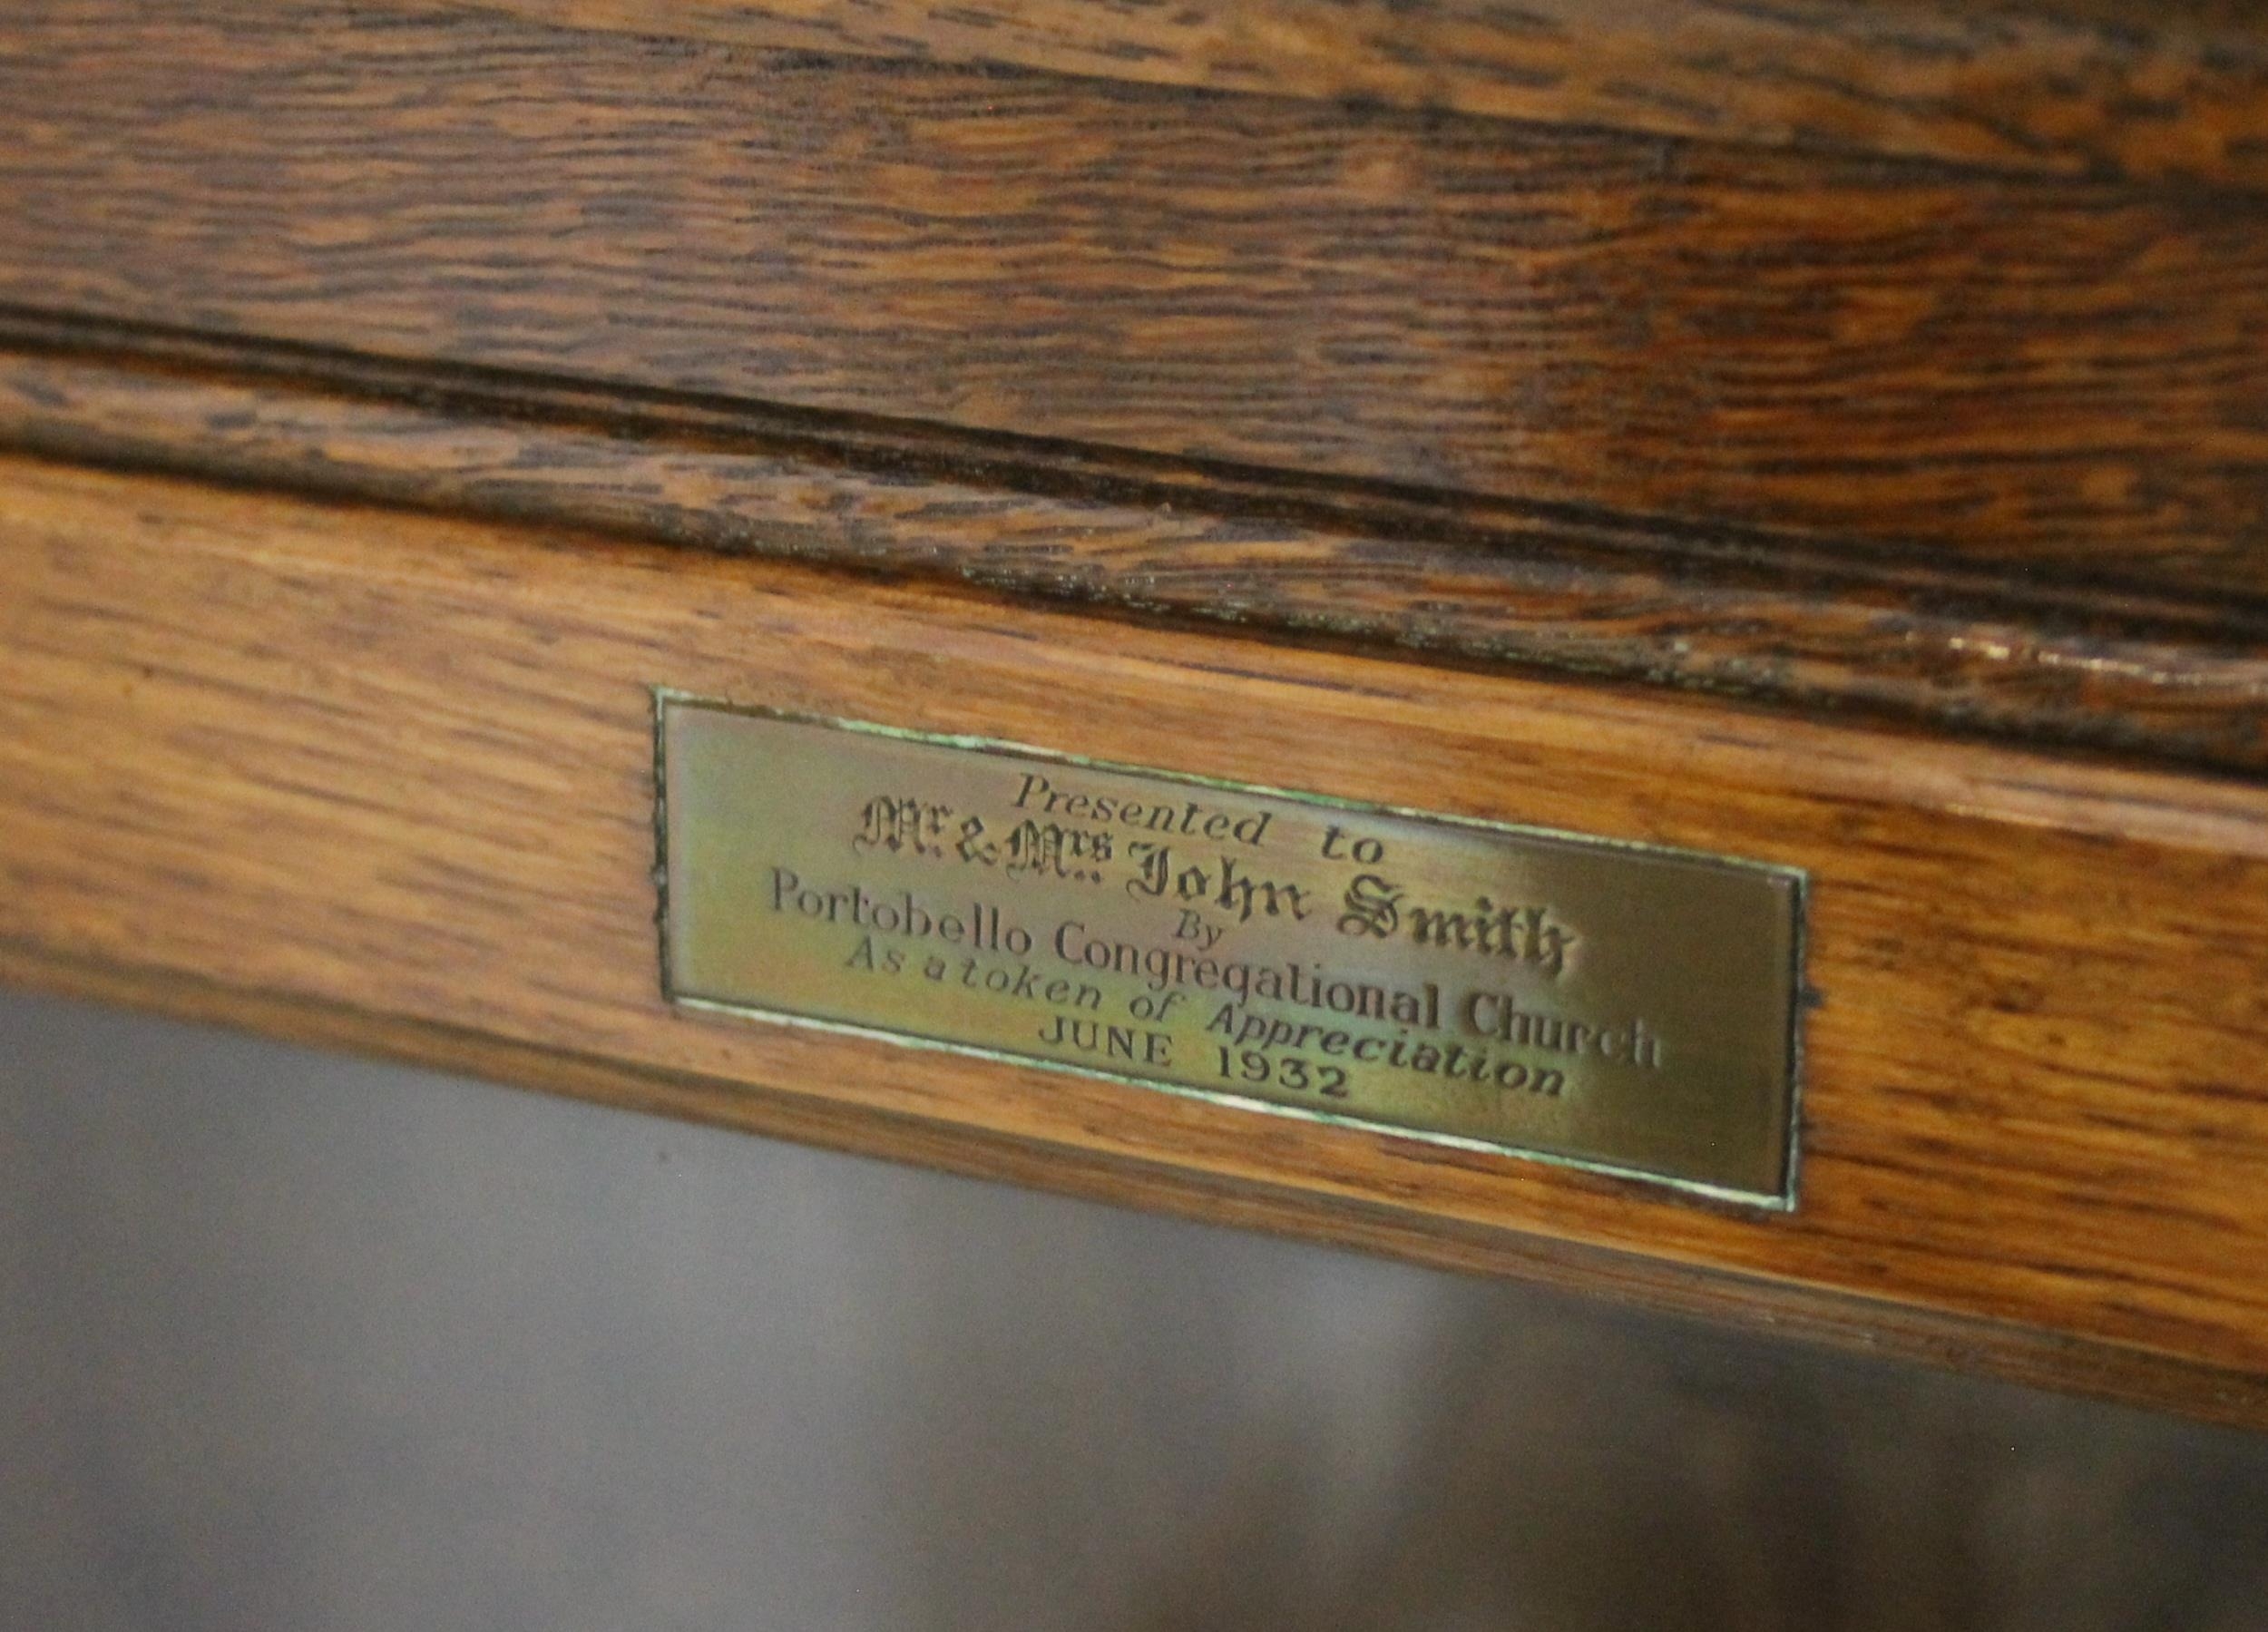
2045	374
399	768
2171	91
1771	617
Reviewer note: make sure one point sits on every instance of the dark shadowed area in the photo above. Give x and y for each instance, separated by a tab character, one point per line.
295	1342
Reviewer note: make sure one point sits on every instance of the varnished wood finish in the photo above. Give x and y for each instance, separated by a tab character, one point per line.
2058	374
2166	90
1770	617
342	761
1424	391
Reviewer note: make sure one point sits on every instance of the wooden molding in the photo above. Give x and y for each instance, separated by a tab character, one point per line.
1446	578
2039	374
1833	434
354	761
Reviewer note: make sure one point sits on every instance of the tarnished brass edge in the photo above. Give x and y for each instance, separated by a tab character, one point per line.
1798	880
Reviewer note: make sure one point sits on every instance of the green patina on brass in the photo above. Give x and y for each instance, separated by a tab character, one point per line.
1606	1005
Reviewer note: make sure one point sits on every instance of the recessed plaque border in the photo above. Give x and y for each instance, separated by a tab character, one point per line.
1798	881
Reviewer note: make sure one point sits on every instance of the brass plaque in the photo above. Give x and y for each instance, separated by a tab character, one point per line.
1604	1005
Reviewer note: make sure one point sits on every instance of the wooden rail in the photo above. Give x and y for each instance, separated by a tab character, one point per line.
1833	434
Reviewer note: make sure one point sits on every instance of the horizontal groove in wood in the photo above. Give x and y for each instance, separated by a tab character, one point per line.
2028	87
354	757
1779	619
2041	374
1865	1325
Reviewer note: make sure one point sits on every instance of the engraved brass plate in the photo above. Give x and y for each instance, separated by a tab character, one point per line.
1605	1005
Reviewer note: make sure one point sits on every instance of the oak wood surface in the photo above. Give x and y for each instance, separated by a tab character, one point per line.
2048	375
2178	91
1445	580
1905	363
332	760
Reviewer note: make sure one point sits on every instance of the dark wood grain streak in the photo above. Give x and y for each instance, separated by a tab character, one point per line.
1861	1325
1782	620
2161	91
2040	374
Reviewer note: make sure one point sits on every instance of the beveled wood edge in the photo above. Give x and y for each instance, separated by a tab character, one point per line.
2010	1353
2163	95
1782	619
